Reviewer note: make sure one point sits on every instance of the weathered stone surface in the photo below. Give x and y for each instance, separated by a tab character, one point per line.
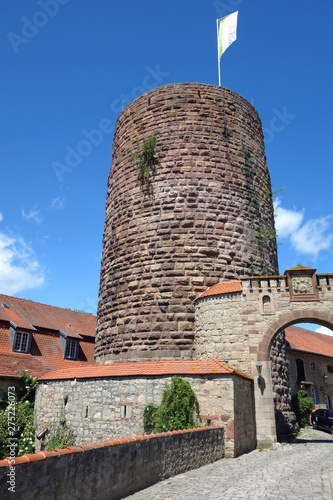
94	409
112	470
203	220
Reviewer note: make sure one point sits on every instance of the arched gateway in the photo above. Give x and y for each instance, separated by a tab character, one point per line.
237	322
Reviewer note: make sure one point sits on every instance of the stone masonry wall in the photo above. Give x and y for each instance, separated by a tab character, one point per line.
245	429
101	409
207	216
285	418
104	471
280	373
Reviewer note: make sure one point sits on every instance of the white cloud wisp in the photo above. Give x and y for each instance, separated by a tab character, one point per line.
313	236
19	269
33	216
309	238
286	221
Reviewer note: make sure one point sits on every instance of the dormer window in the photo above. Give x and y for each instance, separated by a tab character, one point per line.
71	349
20	341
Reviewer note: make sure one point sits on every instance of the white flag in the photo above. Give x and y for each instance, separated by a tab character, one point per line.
227	32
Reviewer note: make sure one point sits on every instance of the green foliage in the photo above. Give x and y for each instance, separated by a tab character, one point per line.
60	439
179	409
144	159
302	406
149	416
17	417
267	234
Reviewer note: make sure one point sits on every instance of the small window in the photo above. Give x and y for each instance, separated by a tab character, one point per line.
5	306
21	342
71	349
125	410
300	370
330	368
314	395
313	366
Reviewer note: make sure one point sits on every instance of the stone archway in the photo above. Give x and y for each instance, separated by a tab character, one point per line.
265	408
236	322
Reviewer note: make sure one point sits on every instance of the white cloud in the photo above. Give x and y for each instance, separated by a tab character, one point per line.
19	269
325	331
1	217
286	221
33	216
57	203
313	236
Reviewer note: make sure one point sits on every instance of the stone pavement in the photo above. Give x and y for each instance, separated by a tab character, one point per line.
302	470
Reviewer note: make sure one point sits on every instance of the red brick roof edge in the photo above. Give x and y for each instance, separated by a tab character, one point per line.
143	368
222	288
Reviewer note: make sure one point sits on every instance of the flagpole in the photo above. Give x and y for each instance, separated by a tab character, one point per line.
218	58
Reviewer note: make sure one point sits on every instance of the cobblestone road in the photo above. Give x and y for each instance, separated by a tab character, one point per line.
303	470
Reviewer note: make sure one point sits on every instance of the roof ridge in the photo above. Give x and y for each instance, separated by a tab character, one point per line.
224	365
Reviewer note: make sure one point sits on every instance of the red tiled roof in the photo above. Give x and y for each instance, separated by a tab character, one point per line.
305	340
45	324
45	355
138	368
26	313
222	288
10	364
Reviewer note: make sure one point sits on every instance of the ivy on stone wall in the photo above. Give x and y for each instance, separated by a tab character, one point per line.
144	159
179	409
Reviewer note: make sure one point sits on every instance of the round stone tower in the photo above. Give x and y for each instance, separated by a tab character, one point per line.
202	213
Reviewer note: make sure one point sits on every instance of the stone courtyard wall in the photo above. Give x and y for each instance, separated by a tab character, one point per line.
110	470
109	408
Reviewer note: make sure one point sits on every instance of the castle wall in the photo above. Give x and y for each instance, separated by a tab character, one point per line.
204	215
101	409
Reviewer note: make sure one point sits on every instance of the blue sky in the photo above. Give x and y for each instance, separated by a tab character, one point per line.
68	68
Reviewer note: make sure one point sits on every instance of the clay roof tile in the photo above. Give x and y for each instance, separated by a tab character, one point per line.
222	288
138	368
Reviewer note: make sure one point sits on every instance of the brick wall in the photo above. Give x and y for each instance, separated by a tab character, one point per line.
101	409
204	220
105	470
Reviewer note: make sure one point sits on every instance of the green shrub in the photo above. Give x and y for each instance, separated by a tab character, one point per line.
17	417
179	409
302	406
149	416
60	439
